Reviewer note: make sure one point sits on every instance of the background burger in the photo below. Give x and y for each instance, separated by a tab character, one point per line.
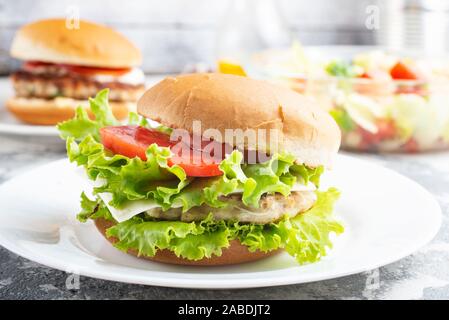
65	66
178	208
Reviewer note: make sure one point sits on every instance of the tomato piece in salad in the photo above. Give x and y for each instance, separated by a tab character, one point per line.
386	130
133	141
375	75
402	71
411	146
365	75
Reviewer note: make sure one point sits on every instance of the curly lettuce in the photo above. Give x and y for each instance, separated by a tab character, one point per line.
136	179
305	237
82	126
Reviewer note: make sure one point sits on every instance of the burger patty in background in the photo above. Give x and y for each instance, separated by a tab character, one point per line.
71	85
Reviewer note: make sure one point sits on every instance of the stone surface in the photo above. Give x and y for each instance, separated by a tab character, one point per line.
423	275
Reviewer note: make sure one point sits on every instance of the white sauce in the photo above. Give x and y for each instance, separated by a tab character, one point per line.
134	77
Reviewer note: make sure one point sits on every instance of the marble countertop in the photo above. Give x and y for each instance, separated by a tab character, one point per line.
423	275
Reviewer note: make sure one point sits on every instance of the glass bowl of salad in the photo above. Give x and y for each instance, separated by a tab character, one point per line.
288	66
388	103
383	102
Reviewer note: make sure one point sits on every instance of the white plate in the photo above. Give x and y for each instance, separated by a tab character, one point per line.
386	216
10	125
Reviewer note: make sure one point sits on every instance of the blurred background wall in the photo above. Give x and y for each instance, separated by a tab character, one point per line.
173	33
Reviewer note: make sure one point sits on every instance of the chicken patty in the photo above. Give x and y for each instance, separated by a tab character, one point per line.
271	209
49	86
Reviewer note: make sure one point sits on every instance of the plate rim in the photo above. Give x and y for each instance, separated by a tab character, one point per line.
218	283
28	130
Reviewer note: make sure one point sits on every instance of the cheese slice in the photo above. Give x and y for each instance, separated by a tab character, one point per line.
130	209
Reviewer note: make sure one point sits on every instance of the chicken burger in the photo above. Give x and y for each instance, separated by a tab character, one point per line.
217	169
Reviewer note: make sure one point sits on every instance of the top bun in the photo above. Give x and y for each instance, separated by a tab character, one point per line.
222	101
89	45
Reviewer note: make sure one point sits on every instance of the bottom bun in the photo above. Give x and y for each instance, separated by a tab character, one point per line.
235	253
52	111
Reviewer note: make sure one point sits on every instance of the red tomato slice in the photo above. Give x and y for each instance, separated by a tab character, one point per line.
195	167
401	71
132	141
83	70
32	65
116	72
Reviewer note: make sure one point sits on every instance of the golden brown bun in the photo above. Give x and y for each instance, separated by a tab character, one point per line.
89	45
50	112
222	101
234	254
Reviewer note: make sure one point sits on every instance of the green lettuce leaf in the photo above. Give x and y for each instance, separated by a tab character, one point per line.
343	119
93	209
271	176
306	237
343	69
135	179
135	120
193	241
82	126
314	228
